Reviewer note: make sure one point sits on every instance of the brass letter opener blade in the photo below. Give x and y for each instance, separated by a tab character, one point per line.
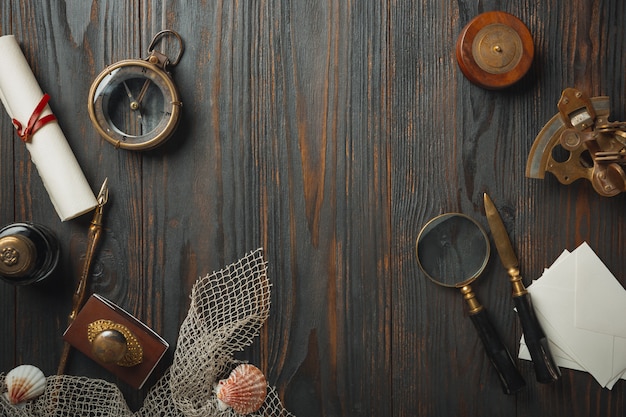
545	368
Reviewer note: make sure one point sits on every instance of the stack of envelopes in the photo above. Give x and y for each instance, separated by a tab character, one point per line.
582	309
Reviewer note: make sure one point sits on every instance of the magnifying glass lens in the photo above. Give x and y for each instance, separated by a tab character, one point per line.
452	250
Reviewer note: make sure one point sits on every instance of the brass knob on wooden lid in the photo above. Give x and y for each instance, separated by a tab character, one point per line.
495	50
17	256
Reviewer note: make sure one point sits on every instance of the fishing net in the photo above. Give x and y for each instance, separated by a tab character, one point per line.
227	310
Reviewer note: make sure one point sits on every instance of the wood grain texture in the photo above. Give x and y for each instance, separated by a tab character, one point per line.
328	133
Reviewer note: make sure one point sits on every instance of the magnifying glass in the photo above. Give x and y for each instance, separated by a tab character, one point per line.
453	250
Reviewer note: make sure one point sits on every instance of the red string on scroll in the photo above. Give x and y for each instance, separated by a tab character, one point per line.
35	122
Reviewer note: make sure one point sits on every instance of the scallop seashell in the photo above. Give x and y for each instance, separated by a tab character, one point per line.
24	383
244	390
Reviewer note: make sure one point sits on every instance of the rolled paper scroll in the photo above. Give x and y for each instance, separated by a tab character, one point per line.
57	166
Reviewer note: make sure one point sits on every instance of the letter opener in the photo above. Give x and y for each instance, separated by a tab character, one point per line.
545	368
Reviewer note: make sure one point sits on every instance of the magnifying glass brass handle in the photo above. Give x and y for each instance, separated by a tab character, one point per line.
512	381
546	369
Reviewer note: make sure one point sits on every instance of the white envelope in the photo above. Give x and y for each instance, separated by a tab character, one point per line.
561	358
580	306
600	298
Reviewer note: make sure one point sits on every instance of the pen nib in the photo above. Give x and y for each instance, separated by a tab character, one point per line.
103	195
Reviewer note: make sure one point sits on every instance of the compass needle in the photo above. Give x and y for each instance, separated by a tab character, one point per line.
130	95
142	93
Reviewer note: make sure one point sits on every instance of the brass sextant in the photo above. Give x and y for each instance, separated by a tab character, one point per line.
580	142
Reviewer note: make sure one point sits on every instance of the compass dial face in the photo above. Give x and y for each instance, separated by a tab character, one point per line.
134	105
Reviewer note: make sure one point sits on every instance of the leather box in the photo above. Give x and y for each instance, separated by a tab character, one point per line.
99	308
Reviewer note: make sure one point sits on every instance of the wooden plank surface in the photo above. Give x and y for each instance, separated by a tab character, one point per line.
327	133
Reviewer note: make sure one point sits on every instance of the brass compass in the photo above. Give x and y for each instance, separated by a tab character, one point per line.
134	104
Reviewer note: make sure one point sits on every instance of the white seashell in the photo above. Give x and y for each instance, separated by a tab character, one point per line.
24	383
244	390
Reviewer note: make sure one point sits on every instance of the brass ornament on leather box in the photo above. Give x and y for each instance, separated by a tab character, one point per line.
495	50
113	343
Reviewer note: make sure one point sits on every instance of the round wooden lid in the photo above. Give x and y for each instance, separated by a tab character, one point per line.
495	50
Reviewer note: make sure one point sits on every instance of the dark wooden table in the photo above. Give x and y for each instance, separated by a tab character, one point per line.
328	133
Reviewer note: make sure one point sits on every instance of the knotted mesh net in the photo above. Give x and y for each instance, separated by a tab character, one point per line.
227	310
